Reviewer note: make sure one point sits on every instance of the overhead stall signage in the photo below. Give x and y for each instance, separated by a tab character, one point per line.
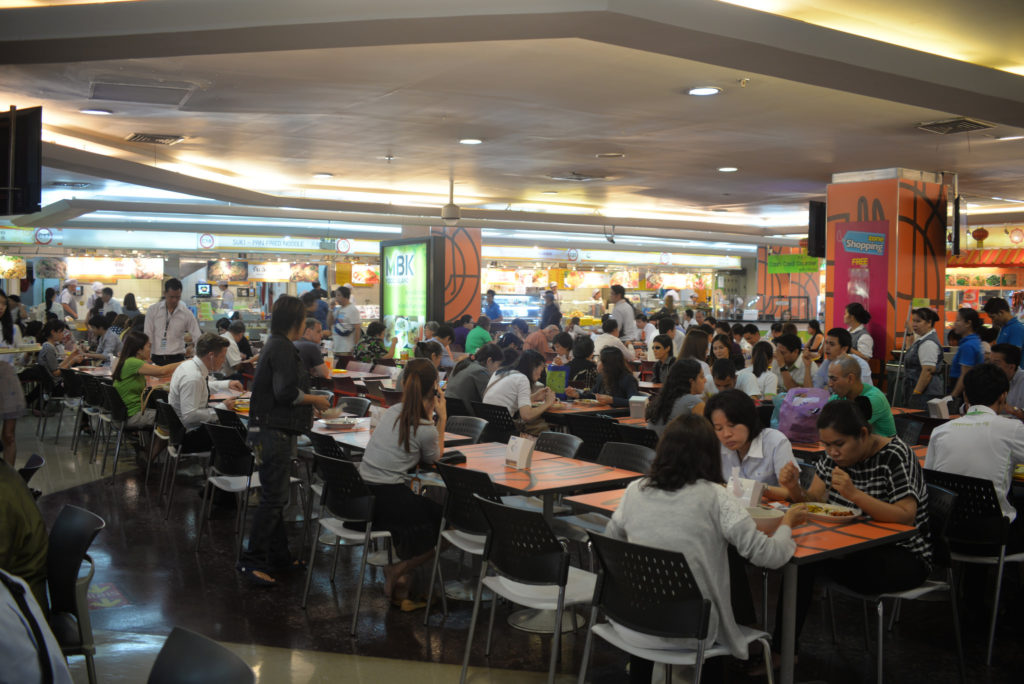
106	270
12	267
606	256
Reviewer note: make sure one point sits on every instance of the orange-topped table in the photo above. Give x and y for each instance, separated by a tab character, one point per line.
359	375
815	541
650	386
359	436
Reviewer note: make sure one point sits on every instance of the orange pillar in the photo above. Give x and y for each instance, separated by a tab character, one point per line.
461	272
886	247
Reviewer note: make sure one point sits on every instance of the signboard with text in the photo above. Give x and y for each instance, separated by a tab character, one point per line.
408	287
862	272
793	263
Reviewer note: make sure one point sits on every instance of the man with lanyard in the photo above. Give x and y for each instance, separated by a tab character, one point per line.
345	323
167	321
837	343
624	315
491	308
67	298
1011	330
844	381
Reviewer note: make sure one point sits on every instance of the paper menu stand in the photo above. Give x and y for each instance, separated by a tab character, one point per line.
747	491
519	453
939	408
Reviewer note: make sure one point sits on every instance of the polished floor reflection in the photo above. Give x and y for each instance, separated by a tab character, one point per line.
148	579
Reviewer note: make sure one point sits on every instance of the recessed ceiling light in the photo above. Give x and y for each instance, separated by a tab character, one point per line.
470	141
323	174
704	91
96	112
609	155
550	192
1010	137
727	169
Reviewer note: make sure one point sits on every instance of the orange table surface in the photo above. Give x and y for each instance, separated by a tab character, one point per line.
547	473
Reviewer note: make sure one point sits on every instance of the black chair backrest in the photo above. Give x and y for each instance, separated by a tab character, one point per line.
383	365
231	455
463	485
595	431
357	406
112	402
167	420
650	590
908	429
346	496
325	445
73	384
192	658
392	397
500	425
635	457
941	504
467	426
92	395
70	538
374	388
977	517
457	407
521	545
31	467
558	443
230	419
634	434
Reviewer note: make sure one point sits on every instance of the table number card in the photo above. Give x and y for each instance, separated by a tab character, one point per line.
519	452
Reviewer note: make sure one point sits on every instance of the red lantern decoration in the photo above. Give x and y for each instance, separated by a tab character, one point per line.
979	234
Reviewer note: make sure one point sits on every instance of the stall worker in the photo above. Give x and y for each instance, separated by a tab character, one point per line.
968	352
491	308
924	364
856	319
227	297
67	298
624	314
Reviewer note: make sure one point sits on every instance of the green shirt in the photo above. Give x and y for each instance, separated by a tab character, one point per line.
476	338
23	538
131	384
881	413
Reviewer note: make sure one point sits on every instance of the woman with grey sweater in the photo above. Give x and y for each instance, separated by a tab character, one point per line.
685	484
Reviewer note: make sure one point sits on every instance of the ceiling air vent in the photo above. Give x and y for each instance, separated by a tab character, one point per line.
577	177
960	124
171	94
155	138
71	185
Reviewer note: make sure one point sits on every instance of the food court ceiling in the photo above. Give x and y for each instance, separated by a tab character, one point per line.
378	94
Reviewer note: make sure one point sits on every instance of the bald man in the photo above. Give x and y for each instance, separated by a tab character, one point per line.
845	383
540	340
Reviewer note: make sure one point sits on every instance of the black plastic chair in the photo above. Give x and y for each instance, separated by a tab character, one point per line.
457	407
231	470
168	421
908	430
941	503
45	383
374	390
470	427
190	658
357	406
595	431
91	407
523	550
558	443
74	389
70	538
634	434
392	397
500	425
231	419
977	531
653	591
348	500
462	524
635	457
118	420
31	467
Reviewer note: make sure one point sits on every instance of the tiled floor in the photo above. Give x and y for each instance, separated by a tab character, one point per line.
151	564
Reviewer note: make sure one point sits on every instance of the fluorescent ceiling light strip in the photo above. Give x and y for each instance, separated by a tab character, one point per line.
216	220
543	236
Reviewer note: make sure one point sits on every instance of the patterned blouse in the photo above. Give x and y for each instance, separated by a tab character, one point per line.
369	349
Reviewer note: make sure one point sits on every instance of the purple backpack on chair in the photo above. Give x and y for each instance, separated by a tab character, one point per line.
798	415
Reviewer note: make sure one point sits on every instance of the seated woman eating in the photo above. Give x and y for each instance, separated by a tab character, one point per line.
406	437
681	395
615	383
686	484
512	385
133	367
879	475
371	347
759	452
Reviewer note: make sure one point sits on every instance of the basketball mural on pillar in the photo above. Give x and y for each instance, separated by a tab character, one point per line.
461	272
786	295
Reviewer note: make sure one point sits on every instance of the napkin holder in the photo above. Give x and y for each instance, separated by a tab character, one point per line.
939	408
747	491
638	406
519	453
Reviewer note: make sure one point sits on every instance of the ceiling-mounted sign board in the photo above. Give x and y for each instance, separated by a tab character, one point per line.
793	263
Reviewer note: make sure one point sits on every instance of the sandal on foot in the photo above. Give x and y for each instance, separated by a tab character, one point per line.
407	605
257	577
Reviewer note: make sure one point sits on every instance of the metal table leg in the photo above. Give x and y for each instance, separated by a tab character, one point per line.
788	622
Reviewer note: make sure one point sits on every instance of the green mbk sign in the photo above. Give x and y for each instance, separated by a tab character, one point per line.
405	280
793	263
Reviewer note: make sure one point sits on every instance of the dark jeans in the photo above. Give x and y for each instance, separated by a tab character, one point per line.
166	359
268	540
874	571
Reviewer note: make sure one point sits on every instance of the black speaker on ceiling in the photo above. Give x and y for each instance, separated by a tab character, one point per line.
955	250
816	229
21	151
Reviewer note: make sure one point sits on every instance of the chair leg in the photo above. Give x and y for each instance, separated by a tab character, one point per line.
764	599
60	419
995	606
556	640
202	515
587	646
472	620
90	667
766	647
337	553
309	574
433	573
880	609
170	484
698	664
832	615
956	624
897	608
117	452
867	628
490	623
362	578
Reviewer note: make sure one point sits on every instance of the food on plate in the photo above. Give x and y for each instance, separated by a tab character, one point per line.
831	510
343	423
588	402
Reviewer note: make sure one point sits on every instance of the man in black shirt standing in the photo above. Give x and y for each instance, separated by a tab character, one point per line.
551	315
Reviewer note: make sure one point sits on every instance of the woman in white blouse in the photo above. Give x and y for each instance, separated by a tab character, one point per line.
757	379
856	318
759	452
685	483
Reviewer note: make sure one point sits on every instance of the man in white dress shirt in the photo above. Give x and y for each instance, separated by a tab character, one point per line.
109	303
233	356
624	314
227	297
610	338
167	322
191	387
1006	357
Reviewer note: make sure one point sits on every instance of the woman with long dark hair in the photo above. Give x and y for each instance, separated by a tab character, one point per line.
49	297
512	386
405	437
12	398
722	347
130	309
470	376
695	346
615	383
681	395
817	339
685	483
757	379
133	367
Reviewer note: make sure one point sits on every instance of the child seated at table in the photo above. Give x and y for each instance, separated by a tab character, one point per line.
685	483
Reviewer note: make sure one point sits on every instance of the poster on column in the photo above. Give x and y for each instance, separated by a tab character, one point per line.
862	273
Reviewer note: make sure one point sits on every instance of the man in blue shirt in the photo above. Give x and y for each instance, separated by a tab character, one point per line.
491	308
968	353
1011	330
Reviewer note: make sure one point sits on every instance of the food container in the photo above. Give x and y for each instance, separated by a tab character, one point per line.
766	519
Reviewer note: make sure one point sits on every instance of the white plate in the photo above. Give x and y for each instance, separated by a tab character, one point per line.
856	513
